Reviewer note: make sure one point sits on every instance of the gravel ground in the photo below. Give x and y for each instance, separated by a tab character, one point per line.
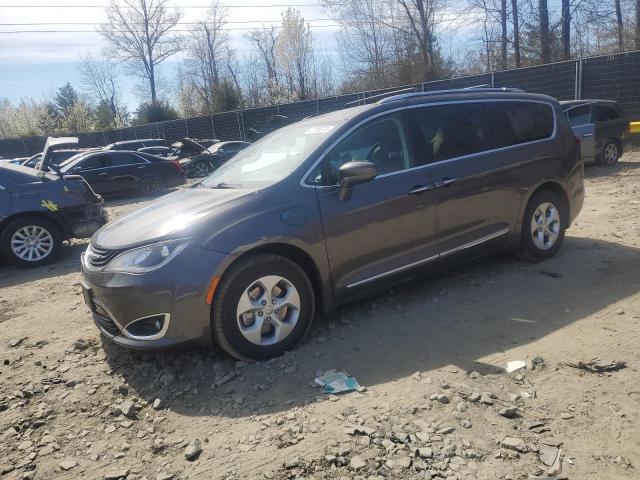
436	401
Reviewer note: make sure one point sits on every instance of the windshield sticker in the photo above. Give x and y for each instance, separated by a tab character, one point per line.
49	205
321	129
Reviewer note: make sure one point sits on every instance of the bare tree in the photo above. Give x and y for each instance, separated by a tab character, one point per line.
208	54
139	32
100	76
565	20
545	46
421	17
619	26
637	29
516	32
264	40
365	41
503	37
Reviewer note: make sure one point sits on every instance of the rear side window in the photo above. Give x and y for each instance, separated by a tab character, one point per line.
450	131
95	161
522	122
606	114
120	159
580	115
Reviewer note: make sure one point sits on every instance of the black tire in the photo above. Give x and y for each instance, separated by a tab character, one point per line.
151	185
529	250
610	153
200	169
240	276
53	247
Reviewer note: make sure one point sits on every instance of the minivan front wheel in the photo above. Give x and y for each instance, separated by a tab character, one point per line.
262	308
543	226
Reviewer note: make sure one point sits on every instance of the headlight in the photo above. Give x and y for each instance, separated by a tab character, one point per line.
148	258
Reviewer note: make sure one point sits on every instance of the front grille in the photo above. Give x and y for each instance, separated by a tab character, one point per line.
99	257
107	324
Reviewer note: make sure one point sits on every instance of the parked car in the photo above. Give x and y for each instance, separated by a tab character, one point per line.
136	144
57	157
157	151
38	211
331	208
207	160
117	171
207	142
602	127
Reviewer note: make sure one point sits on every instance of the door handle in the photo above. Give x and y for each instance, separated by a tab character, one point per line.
422	188
143	166
103	173
445	182
587	135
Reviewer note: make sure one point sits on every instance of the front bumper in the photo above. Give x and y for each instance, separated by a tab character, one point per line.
177	292
84	221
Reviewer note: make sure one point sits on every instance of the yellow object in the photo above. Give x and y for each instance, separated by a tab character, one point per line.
49	205
634	127
212	289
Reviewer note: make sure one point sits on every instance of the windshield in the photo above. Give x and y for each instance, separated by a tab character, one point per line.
273	157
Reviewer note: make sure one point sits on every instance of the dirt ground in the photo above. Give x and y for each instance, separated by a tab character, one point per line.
430	354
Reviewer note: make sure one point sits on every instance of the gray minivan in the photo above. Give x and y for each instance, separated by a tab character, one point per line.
330	208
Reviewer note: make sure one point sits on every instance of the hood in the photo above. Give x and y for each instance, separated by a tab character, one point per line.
174	216
189	146
53	144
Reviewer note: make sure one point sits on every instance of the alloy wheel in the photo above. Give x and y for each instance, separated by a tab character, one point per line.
201	169
610	153
32	243
268	310
545	226
151	185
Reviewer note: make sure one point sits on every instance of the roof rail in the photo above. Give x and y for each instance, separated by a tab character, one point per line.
404	96
365	100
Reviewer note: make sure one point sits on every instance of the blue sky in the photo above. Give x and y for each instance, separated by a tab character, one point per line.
35	64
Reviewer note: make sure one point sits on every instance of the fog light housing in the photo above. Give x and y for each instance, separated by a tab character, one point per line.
148	328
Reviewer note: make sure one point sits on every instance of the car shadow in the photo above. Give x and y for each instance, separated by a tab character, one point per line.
67	262
454	317
624	165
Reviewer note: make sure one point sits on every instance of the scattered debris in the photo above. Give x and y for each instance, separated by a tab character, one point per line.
193	450
598	366
15	342
337	382
515	444
515	365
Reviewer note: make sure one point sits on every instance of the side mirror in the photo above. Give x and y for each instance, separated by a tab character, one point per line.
353	173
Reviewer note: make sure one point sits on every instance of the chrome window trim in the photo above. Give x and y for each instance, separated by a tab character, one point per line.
440	162
144	160
474	243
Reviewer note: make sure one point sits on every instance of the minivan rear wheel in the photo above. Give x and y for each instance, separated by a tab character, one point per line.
262	308
543	226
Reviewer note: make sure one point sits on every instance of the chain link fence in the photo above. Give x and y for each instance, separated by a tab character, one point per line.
615	77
